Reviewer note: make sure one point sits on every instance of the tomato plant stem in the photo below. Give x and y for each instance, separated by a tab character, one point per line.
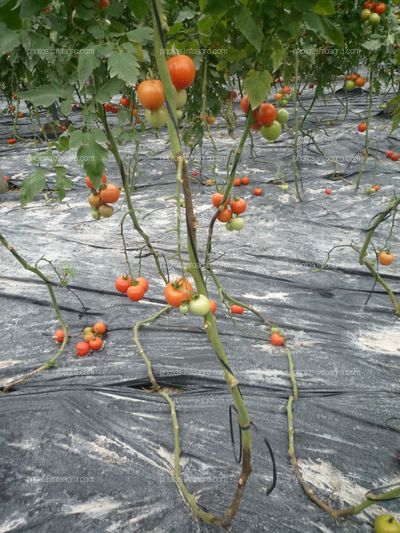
35	270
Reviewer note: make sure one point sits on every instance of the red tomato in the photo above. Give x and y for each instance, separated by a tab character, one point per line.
11	141
182	71
217	199
328	191
266	114
143	283
380	8
244	104
237	309
125	101
245	180
277	339
178	292
388	154
258	191
238	205
96	344
225	215
122	283
362	127
237	182
213	306
103	4
360	82
108	107
99	328
233	95
82	349
394	156
286	89
59	335
110	194
135	292
89	183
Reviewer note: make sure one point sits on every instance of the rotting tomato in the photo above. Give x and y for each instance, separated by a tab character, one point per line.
151	94
82	349
225	215
238	205
182	71
135	292
122	283
237	309
386	258
178	292
110	194
99	328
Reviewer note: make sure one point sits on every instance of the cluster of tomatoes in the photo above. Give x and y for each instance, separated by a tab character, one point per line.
266	118
373	189
92	339
237	182
151	92
354	80
371	14
230	212
394	156
99	201
134	288
281	97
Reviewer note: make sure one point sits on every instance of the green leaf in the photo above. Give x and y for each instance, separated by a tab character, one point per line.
139	8
214	7
185	14
46	95
324	7
62	182
142	34
9	40
257	86
90	155
111	87
65	106
372	44
32	7
324	28
123	64
76	139
277	55
31	186
87	62
247	26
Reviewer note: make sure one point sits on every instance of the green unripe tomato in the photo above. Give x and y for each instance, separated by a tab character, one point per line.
180	99
282	116
179	114
95	214
284	101
284	187
87	330
386	523
157	118
237	223
349	85
199	305
271	133
365	13
374	19
275	329
228	226
184	308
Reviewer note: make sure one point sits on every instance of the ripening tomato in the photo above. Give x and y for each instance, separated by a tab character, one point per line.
394	156
89	183
278	96
82	349
99	328
286	89
362	127
213	306
225	215
143	283
122	283
266	114
134	112
360	82
151	94
125	101
199	305
376	187
245	180
59	335
178	292
380	8
182	71
94	200
103	4
238	205
237	182
257	191
244	104
105	211
386	258
328	191
135	292
217	199
87	337
237	309
96	344
277	339
110	194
